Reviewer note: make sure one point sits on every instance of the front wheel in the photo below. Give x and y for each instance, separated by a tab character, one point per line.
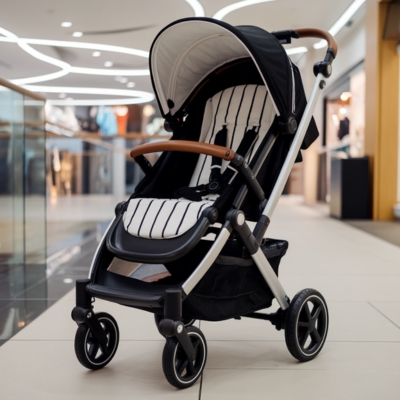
178	369
306	325
87	347
186	321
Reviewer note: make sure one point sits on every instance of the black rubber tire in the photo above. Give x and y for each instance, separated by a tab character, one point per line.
175	362
85	343
306	329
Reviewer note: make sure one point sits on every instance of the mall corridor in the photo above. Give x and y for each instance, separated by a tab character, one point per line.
200	199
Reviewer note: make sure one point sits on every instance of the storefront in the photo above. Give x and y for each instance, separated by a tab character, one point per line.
343	124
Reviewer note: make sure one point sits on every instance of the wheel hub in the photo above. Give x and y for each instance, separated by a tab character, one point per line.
311	324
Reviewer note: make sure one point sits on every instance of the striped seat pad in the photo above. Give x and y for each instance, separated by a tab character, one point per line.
238	108
162	218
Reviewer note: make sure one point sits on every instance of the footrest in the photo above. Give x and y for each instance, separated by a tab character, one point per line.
132	297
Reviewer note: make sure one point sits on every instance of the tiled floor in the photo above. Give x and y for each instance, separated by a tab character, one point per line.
358	274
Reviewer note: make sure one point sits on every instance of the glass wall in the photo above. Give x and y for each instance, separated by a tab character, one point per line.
22	192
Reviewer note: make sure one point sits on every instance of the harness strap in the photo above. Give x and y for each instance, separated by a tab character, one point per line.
216	162
220	181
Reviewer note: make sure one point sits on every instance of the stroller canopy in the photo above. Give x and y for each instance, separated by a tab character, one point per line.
185	52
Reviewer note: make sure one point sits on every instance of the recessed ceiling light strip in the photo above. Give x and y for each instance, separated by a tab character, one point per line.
197	8
11	37
341	22
223	12
24	43
100	102
65	67
89	46
134	96
110	72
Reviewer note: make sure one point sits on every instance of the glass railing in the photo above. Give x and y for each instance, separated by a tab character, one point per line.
22	178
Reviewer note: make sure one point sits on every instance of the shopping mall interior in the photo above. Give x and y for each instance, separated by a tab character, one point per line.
82	83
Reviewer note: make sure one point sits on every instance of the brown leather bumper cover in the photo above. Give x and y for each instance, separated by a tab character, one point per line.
186	146
320	34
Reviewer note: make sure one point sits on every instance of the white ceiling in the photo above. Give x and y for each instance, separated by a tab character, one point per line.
132	24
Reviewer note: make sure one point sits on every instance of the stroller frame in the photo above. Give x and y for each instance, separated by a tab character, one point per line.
181	337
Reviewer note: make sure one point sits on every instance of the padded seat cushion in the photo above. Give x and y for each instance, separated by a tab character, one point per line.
238	109
162	218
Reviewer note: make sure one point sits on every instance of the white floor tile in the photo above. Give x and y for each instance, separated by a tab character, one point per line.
240	384
390	309
50	371
335	356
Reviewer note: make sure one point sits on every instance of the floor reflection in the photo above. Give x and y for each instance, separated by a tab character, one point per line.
26	291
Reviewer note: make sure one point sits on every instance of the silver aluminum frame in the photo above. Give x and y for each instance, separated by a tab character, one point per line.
294	148
259	258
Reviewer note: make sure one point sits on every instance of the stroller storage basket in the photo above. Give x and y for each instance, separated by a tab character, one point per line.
234	286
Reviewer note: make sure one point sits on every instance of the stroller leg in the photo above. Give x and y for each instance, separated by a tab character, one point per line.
171	324
185	350
83	313
97	336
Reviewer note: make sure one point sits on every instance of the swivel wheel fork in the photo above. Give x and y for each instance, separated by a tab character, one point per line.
83	313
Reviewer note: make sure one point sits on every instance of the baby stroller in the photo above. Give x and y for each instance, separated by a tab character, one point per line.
237	109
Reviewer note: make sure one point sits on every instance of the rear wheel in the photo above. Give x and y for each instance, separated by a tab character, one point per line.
306	326
87	347
178	369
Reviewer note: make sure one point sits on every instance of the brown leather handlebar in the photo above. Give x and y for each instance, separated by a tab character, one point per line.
184	145
318	33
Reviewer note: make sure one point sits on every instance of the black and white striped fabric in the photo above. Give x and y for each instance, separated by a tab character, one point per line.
162	218
239	109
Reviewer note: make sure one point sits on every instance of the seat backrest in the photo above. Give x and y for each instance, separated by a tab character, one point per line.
239	108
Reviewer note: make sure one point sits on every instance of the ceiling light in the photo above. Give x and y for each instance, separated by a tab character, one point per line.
8	34
296	50
66	68
130	84
83	45
67	280
131	96
110	72
77	34
42	57
62	95
197	8
66	24
341	22
235	6
108	64
96	54
123	79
